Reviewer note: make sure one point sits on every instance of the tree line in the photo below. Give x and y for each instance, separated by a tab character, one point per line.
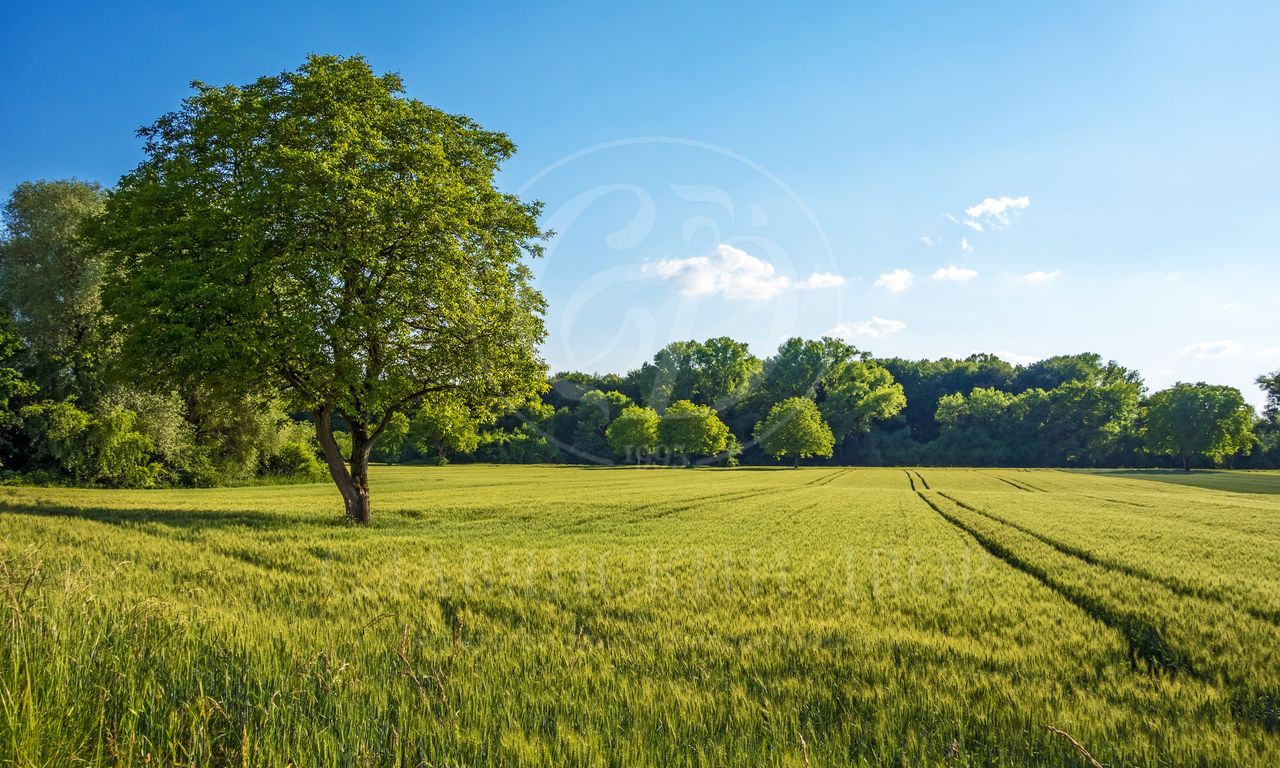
73	409
312	271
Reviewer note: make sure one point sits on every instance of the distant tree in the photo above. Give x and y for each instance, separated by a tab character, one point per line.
634	434
392	440
925	382
724	371
982	428
444	424
795	428
1053	372
856	393
687	429
1189	420
319	233
1270	384
50	276
595	411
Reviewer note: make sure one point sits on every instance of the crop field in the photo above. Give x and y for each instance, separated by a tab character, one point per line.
522	616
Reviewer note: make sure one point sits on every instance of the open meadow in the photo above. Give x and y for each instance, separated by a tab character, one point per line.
520	616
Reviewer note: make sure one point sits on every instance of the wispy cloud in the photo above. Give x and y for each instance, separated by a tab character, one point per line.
975	226
929	241
734	274
1210	349
1042	277
896	281
964	245
997	208
821	280
875	328
954	274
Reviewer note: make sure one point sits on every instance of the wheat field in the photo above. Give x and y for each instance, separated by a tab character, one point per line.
529	616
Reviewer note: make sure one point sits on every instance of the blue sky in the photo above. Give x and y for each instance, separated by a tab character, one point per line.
761	170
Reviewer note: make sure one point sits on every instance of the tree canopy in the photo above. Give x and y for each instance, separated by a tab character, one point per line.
318	232
688	429
1190	420
634	434
795	428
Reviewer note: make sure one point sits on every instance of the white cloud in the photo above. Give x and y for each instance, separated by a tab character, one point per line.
975	226
997	208
954	274
733	273
896	281
1270	353
951	218
875	328
1041	277
964	245
729	271
1231	305
1210	349
821	280
929	241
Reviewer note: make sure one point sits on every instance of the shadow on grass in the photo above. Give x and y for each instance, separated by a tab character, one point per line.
1235	481
190	519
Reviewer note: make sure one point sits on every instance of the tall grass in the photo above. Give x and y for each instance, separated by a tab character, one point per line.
560	616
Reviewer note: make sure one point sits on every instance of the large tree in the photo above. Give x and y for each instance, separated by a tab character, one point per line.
795	428
1189	420
318	232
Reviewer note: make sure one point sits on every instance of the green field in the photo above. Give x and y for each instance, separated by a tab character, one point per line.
575	616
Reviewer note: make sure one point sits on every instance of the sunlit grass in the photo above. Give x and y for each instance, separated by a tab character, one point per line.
575	616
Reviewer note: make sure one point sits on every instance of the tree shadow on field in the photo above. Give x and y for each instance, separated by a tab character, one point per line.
1234	481
177	517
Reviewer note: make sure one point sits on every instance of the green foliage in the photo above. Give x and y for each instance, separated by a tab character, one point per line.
224	243
717	372
926	382
795	428
1270	384
595	411
1194	420
109	449
857	393
689	429
445	425
634	434
391	442
49	283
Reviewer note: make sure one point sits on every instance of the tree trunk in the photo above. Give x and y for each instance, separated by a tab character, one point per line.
1186	464
796	465
353	482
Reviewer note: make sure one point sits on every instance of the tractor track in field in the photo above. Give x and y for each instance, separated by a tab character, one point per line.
913	476
1117	501
829	477
694	503
1085	555
1145	642
1019	485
